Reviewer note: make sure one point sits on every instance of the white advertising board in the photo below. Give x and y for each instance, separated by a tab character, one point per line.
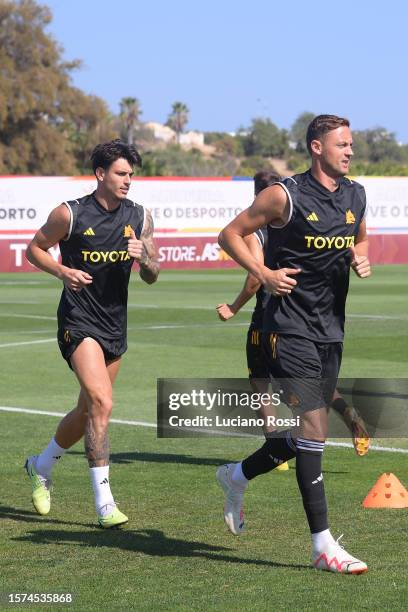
199	207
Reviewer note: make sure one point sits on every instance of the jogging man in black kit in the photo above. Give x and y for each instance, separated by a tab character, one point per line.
100	236
316	231
257	368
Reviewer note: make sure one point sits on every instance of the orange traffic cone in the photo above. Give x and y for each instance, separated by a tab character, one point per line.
388	492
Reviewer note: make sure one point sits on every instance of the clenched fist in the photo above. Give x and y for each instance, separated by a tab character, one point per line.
136	248
280	282
76	279
360	264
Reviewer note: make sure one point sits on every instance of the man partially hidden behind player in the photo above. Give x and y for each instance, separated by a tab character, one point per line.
257	368
100	236
316	232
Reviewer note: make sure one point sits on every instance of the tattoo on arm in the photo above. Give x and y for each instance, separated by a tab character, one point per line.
149	265
96	446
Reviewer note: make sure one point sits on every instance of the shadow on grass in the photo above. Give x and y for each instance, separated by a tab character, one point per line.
130	457
148	542
27	516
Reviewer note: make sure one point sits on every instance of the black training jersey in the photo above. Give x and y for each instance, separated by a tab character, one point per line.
262	295
97	244
321	229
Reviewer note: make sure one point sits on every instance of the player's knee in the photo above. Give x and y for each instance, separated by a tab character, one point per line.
100	405
312	427
313	432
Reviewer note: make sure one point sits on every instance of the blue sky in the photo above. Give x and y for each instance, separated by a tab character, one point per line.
231	60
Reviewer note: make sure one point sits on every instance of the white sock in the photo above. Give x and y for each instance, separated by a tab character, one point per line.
101	489
48	458
238	478
322	540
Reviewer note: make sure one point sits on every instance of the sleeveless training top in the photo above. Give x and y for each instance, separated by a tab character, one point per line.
97	244
321	229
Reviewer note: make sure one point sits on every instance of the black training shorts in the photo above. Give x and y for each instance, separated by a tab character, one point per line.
69	340
306	371
255	356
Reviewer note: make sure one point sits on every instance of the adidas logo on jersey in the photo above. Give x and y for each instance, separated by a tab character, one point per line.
89	232
127	232
350	218
312	217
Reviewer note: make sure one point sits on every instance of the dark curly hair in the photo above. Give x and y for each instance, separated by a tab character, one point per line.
265	178
106	153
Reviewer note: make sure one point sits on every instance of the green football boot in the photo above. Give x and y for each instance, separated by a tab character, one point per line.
114	519
41	488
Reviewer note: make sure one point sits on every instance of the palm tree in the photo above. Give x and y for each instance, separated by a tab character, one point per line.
178	118
129	115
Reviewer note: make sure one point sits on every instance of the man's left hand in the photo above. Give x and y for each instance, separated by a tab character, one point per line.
360	264
136	248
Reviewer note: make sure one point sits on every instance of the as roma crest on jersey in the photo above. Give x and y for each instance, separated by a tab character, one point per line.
127	232
350	218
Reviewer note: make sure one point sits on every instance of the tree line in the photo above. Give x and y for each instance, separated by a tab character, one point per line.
49	127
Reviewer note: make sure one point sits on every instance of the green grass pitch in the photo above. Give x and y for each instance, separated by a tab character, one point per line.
175	553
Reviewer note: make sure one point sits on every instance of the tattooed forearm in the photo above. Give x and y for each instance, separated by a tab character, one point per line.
149	265
149	270
96	445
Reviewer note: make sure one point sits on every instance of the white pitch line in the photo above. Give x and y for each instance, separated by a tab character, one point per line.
376	317
24	282
31	411
204	308
133	328
28	342
384	449
24	332
183	326
62	414
212	308
27	316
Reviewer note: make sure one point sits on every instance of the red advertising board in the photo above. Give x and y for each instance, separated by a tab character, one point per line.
199	252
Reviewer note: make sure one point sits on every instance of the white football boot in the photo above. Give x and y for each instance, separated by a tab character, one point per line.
335	559
233	511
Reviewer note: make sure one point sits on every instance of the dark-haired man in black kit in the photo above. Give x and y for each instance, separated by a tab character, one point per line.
316	231
257	244
257	368
100	236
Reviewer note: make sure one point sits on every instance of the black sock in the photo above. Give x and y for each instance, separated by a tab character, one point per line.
310	480
278	448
